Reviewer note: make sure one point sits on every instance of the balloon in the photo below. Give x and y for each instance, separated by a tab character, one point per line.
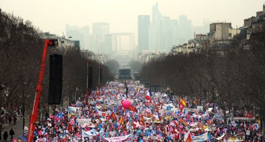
126	104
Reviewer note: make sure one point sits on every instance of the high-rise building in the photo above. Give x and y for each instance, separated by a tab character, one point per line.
85	31
173	33
156	14
162	31
159	31
100	30
108	44
77	33
166	34
143	32
155	30
185	29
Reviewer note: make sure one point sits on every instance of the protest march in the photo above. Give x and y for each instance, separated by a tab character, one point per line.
119	112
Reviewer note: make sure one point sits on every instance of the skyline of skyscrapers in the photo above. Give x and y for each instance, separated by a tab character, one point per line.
165	32
155	32
77	33
155	29
100	30
108	43
143	32
185	29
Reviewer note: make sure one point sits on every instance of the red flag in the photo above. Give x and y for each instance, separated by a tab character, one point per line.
142	121
70	128
136	124
189	138
65	139
113	116
132	108
181	107
175	122
182	101
147	97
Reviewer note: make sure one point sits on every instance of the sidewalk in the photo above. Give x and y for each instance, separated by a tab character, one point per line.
17	129
8	126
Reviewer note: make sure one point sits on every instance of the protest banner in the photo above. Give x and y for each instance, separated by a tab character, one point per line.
117	139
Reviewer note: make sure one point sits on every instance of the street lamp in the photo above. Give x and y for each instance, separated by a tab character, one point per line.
213	92
87	91
23	108
76	89
2	86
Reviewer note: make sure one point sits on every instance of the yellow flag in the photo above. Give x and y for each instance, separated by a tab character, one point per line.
182	101
121	121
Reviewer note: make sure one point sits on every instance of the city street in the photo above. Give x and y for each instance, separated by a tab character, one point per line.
132	71
17	129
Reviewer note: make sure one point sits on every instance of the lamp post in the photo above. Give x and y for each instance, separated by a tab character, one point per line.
99	78
2	86
76	89
87	91
229	95
23	107
213	92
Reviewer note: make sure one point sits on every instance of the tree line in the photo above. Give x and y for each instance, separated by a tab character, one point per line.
20	56
235	78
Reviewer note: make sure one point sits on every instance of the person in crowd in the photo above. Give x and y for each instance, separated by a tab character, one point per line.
151	116
10	119
11	133
46	115
15	119
5	136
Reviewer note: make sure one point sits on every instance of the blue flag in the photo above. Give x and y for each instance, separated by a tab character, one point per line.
23	138
209	137
150	92
214	109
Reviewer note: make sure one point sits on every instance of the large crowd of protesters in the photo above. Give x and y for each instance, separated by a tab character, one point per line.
130	112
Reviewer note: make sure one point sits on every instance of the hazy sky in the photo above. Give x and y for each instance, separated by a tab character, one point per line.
52	15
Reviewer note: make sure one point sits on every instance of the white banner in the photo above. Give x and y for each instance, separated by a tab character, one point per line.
236	139
90	133
221	137
200	138
82	122
199	108
74	110
117	139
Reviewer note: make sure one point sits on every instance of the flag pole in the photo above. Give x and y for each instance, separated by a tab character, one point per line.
87	78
